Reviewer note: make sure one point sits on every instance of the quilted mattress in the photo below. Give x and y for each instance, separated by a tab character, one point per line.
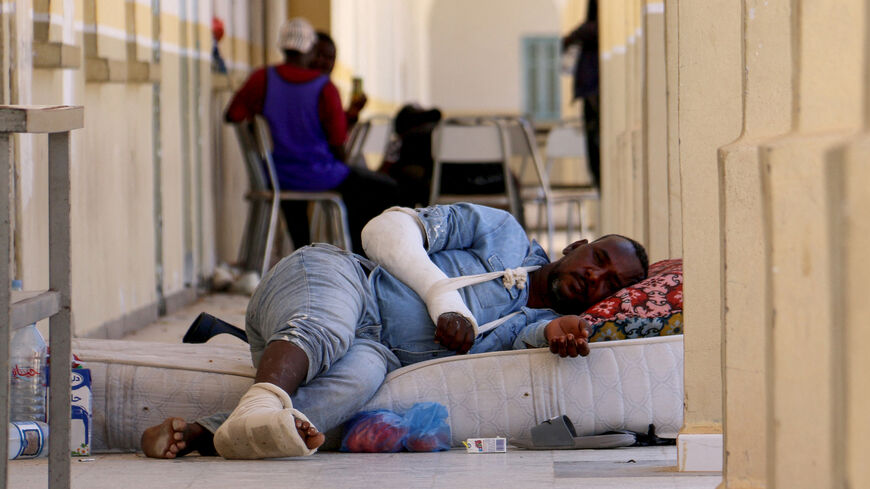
620	385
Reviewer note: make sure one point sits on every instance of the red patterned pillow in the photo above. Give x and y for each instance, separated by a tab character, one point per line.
651	307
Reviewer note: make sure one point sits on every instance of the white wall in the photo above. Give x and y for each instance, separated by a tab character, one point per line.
475	51
460	56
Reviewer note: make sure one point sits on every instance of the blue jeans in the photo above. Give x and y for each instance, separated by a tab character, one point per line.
320	299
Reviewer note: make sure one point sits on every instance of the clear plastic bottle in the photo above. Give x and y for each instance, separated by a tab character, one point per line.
28	439
27	363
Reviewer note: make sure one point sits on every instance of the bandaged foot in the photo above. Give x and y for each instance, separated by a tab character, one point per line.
265	425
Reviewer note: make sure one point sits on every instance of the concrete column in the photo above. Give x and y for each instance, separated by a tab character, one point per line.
672	76
767	113
614	133
708	51
852	247
804	184
654	131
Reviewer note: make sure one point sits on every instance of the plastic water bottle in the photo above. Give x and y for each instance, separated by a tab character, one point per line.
28	439
28	365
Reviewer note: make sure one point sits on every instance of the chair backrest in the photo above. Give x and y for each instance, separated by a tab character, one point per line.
460	143
568	142
258	180
369	137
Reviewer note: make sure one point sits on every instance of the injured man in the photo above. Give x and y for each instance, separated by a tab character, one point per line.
326	326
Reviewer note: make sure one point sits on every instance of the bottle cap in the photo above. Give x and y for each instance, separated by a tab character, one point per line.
17	285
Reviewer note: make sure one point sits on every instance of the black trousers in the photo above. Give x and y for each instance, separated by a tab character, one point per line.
591	115
365	193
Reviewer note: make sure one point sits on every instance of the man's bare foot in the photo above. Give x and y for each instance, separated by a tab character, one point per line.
175	437
312	438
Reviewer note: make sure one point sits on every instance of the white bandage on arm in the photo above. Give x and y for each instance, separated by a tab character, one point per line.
394	240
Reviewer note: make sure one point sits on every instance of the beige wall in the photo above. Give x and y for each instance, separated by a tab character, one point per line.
124	265
463	57
769	130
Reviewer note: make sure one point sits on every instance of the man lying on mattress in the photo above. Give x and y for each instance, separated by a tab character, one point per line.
326	326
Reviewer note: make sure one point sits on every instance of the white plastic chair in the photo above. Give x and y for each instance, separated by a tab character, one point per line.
487	140
566	143
369	138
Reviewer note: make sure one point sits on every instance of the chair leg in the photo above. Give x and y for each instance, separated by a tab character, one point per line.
255	243
341	221
318	213
245	244
274	210
569	226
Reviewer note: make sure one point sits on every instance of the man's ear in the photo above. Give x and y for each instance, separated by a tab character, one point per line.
574	245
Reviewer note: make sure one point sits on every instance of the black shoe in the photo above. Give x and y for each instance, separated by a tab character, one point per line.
206	326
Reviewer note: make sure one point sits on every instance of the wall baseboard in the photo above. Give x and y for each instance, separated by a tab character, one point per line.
138	319
699	452
180	299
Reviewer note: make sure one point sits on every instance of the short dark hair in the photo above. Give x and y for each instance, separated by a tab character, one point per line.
324	37
639	251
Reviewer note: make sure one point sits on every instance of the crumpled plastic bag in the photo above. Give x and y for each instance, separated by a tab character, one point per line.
423	428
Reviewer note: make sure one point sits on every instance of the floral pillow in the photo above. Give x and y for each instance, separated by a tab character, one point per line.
652	307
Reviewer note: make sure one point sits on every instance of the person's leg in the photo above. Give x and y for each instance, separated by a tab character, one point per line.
366	194
302	319
329	400
593	137
296	216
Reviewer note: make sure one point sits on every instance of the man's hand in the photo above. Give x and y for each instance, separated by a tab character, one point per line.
568	336
356	104
454	332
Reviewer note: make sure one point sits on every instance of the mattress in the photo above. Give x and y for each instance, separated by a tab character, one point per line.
625	384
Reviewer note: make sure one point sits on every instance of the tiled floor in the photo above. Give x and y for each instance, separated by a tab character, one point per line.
628	468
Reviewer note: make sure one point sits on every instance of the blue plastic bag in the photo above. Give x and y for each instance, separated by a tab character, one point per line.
428	430
423	428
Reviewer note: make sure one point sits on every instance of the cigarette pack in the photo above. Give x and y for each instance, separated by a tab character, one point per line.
486	445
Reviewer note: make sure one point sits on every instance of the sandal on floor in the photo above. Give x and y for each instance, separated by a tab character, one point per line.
559	434
206	326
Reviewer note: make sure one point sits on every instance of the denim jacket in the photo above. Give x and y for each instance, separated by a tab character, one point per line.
465	239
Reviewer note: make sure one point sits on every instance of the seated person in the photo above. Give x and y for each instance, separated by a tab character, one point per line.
309	129
323	60
325	326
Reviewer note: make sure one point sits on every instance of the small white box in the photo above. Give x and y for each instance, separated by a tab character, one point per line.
486	445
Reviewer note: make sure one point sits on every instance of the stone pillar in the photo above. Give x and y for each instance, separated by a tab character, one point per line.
614	107
806	176
766	114
708	90
654	132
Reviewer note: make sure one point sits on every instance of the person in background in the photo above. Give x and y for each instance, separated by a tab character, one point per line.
586	82
309	128
323	60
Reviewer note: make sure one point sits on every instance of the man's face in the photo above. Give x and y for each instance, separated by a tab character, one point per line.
590	272
324	57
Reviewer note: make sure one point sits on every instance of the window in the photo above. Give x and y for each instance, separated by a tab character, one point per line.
541	88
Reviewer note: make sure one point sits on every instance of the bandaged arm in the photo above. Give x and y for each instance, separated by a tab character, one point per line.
395	241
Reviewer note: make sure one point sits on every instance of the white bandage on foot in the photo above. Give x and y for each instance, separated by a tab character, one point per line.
394	240
263	425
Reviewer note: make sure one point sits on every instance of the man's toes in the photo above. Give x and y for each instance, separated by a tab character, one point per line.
315	439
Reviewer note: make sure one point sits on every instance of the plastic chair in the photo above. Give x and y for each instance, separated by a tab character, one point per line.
567	143
369	137
329	217
487	140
